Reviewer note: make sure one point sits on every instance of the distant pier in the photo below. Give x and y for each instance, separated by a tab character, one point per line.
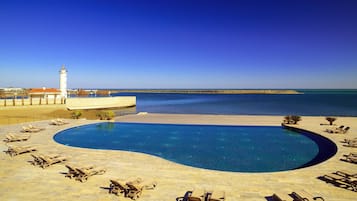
210	91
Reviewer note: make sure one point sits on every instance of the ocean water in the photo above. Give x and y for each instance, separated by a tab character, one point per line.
310	103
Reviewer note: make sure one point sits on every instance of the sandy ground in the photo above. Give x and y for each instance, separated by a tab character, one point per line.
20	114
21	181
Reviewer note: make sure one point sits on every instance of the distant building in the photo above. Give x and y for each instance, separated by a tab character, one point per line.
63	82
44	92
11	89
11	92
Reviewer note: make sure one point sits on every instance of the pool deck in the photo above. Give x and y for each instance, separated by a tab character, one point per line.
21	181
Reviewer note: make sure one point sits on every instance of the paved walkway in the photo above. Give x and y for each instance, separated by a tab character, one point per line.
21	181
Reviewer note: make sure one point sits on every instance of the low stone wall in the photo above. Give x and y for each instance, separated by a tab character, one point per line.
100	102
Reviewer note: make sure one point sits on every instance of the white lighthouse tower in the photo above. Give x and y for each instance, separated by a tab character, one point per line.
63	82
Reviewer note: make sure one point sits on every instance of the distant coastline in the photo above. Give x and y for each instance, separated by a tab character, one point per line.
210	91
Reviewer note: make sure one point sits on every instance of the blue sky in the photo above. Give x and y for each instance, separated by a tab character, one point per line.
179	44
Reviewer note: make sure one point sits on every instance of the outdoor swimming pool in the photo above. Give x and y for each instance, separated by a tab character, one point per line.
225	148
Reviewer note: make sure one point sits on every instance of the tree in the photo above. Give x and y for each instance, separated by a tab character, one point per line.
106	115
76	114
287	119
295	119
110	115
292	119
331	119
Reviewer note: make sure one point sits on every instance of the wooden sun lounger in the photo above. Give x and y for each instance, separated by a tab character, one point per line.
48	161
84	174
17	150
58	122
351	144
304	197
117	187
335	130
196	195
16	138
345	130
31	129
275	197
216	196
185	197
136	189
349	140
38	159
346	174
73	172
352	158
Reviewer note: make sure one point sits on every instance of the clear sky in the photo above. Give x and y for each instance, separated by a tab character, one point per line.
179	44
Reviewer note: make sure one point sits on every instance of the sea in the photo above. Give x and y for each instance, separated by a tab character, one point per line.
311	102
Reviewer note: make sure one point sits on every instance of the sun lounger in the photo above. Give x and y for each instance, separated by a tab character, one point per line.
302	197
117	187
196	195
17	150
333	177
344	130
340	130
48	160
216	196
31	129
37	161
136	189
352	158
73	172
16	138
58	122
275	197
84	174
351	144
334	130
353	154
185	197
346	174
350	140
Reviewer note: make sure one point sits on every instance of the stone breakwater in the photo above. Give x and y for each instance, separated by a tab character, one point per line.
211	91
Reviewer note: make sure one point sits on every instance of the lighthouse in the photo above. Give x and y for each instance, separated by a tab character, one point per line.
63	82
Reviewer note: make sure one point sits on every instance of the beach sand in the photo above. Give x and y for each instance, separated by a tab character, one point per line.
22	181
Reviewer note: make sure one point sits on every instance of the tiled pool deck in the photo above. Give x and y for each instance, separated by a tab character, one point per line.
21	181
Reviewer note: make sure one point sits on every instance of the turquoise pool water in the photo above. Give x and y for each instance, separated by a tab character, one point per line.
225	148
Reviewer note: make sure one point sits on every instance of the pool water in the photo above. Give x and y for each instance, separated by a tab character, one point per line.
225	148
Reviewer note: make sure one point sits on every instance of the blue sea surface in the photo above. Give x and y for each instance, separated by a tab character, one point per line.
309	103
226	148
